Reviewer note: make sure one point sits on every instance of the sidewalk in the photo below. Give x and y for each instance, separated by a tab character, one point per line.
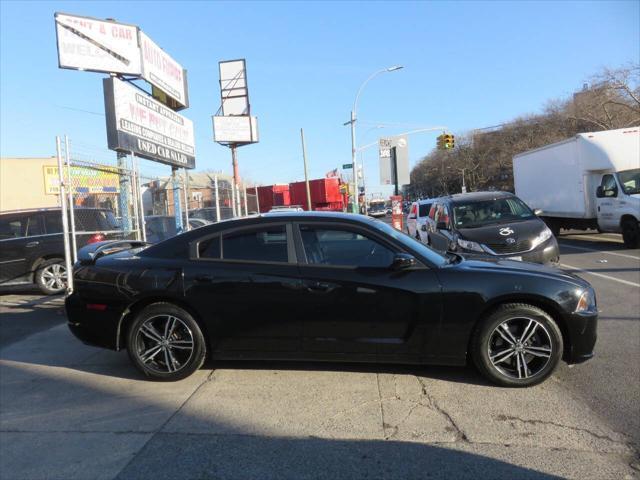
69	411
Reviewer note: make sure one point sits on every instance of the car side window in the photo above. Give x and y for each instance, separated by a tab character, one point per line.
34	226
609	185
53	222
266	244
424	210
412	212
209	248
12	226
432	211
341	247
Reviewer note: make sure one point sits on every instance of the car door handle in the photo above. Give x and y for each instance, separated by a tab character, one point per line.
203	279
319	287
32	244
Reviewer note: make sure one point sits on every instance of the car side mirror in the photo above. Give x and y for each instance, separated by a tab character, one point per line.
442	226
599	191
537	212
402	261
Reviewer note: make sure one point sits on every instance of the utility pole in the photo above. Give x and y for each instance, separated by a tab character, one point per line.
306	176
354	164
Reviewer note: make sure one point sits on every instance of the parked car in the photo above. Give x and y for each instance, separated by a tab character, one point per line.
326	286
32	244
209	213
491	224
161	227
418	220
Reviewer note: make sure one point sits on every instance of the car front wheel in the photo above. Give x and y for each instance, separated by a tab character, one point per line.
517	345
165	342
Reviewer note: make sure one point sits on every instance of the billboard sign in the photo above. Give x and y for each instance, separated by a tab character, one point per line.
86	43
234	92
240	129
139	124
389	170
163	72
93	180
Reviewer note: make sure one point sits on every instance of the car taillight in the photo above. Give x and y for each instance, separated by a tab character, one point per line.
98	237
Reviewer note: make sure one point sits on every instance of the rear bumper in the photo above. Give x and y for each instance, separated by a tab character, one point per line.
92	327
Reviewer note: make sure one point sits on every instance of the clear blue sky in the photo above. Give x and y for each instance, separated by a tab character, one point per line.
467	65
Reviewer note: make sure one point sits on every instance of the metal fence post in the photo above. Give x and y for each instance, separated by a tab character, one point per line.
185	184
215	186
177	211
136	167
72	219
123	197
233	198
65	221
246	210
257	200
133	181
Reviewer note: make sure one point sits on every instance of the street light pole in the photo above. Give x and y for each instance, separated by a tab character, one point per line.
354	163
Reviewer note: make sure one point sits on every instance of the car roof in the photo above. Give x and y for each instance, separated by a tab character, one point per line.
477	196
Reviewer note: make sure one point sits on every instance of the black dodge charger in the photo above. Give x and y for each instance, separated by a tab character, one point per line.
321	286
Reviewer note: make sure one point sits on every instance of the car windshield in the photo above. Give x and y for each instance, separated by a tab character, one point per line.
630	181
419	247
498	210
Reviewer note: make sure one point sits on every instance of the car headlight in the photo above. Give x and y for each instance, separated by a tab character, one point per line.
587	302
469	245
542	237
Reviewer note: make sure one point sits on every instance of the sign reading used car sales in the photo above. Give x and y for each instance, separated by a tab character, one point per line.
86	43
162	71
139	124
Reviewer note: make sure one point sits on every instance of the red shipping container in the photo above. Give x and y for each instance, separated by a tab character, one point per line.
271	196
325	194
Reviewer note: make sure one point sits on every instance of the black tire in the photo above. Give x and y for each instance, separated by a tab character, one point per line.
160	364
631	234
51	276
546	335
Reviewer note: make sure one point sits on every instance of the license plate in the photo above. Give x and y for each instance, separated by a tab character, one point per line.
515	258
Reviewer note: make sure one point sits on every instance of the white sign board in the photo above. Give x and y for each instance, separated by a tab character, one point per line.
234	92
399	169
139	124
242	129
86	43
159	69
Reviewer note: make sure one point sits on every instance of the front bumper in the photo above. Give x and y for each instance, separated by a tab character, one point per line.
582	329
547	253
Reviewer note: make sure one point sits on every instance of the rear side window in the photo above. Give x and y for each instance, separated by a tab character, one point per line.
424	210
53	222
209	248
267	244
12	226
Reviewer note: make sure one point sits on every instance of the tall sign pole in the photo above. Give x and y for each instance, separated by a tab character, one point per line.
306	175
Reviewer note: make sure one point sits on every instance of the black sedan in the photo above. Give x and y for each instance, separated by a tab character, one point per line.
326	286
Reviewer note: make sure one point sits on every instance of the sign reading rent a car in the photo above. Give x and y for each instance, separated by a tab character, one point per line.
138	124
86	43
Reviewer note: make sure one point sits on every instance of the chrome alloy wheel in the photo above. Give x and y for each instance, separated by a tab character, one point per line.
54	276
520	347
164	344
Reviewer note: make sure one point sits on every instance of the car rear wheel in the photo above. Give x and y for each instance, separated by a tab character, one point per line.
51	276
631	234
165	342
517	345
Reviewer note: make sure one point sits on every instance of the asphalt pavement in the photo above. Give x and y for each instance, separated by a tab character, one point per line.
69	411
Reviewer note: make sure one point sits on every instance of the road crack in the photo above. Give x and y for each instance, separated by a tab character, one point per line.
461	436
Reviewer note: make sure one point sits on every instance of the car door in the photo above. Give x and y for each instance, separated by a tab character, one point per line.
607	202
441	236
412	219
245	283
355	303
20	236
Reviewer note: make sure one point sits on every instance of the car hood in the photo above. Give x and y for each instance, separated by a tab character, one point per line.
521	268
498	233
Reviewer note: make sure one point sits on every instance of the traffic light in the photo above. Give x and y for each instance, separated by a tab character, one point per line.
446	141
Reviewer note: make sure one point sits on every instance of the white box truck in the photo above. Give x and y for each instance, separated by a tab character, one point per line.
589	181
